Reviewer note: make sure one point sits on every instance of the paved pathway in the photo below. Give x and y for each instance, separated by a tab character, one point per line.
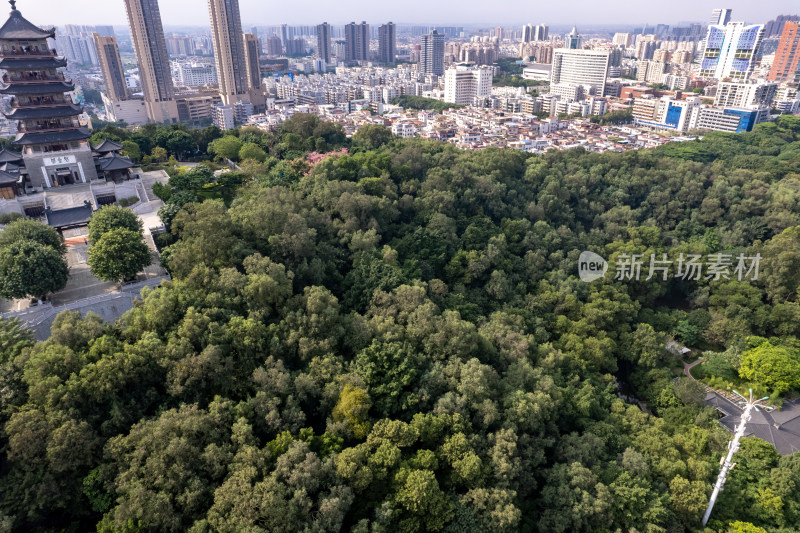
687	367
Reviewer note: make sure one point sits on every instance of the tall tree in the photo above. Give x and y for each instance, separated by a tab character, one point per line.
28	268
119	255
112	217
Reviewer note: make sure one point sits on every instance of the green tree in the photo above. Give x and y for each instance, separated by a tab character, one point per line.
31	230
252	151
28	268
227	147
782	265
112	217
180	144
167	469
14	338
352	408
132	150
372	136
427	507
776	367
390	371
744	527
119	255
159	154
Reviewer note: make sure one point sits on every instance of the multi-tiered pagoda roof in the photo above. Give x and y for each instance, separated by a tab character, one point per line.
19	28
44	112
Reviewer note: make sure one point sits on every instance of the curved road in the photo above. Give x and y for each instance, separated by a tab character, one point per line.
687	367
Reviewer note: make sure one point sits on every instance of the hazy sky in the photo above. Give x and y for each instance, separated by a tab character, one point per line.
508	12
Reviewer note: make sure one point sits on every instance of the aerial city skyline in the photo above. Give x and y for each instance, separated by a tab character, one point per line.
584	12
529	87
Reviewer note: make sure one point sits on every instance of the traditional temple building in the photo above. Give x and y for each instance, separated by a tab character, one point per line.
110	164
54	147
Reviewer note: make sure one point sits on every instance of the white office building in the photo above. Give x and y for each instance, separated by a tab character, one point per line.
587	68
462	84
650	71
720	17
406	130
732	94
222	117
728	119
242	110
666	113
194	74
132	111
730	50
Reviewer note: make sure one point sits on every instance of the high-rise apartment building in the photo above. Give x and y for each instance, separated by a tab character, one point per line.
573	40
78	48
111	67
585	68
541	32
645	48
180	45
786	65
745	95
535	33
431	57
324	42
252	51
356	42
774	28
195	74
623	39
295	47
147	34
730	50
682	57
105	31
284	34
527	33
462	85
226	31
720	17
274	46
387	43
650	71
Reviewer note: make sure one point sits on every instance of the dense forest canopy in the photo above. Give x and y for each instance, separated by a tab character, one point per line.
394	338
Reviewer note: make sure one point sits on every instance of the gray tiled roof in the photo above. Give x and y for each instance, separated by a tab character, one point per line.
44	87
26	63
7	179
114	161
8	155
70	216
779	428
18	27
108	146
66	110
76	134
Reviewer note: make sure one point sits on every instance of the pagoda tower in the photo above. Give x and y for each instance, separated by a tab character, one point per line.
55	148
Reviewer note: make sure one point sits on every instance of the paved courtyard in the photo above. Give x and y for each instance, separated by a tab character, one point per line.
82	284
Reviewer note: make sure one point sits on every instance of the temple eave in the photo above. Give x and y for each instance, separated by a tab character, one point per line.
67	110
23	63
77	134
